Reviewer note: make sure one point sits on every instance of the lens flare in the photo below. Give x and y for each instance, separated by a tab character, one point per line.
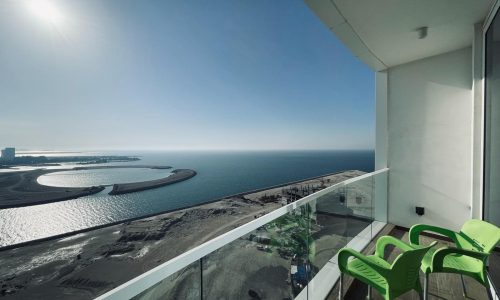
46	11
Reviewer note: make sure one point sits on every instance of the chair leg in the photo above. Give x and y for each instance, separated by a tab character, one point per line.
490	295
463	286
341	286
488	287
369	295
426	286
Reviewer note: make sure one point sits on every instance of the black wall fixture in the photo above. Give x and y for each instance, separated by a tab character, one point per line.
420	210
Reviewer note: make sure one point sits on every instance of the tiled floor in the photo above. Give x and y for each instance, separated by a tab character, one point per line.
441	286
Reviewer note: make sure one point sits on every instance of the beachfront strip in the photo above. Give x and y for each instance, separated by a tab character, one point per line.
287	253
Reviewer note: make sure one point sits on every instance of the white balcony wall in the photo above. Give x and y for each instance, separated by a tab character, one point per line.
429	140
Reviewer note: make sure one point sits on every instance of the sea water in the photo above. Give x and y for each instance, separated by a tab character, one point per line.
219	174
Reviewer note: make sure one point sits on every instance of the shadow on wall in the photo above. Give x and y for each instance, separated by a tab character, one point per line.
429	139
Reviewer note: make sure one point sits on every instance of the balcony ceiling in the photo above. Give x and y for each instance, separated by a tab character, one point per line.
382	33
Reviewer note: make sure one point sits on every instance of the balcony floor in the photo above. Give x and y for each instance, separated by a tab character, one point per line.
441	286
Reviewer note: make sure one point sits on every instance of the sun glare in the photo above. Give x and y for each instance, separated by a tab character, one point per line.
46	11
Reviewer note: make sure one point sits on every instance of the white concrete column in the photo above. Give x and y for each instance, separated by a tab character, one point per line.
381	120
381	181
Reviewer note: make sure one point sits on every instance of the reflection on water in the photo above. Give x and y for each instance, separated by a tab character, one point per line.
59	217
86	178
219	174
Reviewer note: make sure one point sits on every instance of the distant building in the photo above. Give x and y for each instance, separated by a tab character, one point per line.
8	154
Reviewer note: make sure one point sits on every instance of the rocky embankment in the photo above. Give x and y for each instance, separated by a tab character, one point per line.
177	176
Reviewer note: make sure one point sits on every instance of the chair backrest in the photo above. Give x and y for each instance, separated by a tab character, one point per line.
406	268
481	235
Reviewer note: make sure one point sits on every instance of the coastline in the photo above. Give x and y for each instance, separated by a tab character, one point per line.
156	214
98	257
18	189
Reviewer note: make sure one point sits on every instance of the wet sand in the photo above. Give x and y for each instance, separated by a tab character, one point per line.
86	265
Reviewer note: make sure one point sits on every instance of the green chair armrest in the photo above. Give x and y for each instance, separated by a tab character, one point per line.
440	254
383	241
417	229
343	259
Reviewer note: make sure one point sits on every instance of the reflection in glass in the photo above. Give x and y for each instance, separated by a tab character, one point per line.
269	263
184	284
492	128
328	227
280	258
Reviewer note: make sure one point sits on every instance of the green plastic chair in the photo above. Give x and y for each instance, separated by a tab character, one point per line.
473	245
391	280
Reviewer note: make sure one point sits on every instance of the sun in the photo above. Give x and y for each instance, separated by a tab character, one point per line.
47	11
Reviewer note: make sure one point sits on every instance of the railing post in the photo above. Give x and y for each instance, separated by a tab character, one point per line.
201	278
341	286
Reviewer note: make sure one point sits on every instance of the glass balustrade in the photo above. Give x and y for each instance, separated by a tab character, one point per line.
276	256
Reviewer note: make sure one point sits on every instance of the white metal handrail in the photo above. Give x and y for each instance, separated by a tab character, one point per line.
148	279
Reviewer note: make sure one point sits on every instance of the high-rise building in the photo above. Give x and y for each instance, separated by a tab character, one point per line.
8	153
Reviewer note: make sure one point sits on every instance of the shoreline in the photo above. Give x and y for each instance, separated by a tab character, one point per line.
102	226
88	263
40	161
153	167
19	189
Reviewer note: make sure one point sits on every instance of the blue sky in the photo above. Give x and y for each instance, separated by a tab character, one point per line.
179	75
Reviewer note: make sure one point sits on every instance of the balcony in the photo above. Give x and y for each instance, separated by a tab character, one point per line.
290	253
437	129
287	253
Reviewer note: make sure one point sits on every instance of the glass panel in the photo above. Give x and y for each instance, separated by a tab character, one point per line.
328	227
491	211
279	259
184	284
492	128
359	196
269	263
380	197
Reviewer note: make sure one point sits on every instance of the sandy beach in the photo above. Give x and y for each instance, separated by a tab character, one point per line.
88	264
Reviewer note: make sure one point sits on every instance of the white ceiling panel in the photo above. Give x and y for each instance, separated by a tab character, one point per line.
383	34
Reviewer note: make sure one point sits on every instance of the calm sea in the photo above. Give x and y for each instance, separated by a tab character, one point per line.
219	174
